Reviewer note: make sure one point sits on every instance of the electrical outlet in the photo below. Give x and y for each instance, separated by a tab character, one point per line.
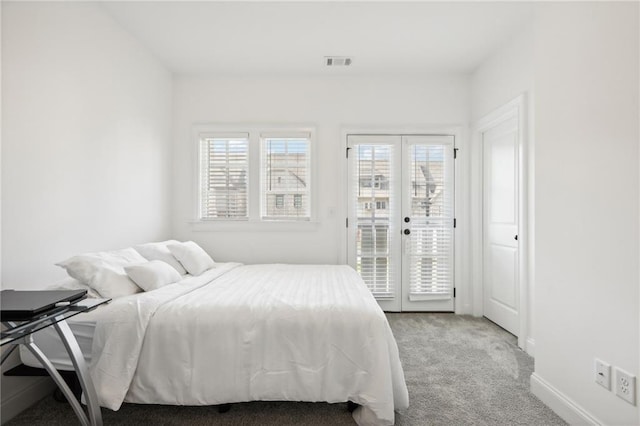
603	374
625	386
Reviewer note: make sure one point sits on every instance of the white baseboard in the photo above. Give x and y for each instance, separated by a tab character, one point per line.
530	347
561	404
464	309
25	397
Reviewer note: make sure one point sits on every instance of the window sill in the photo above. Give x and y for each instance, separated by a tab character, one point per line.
253	226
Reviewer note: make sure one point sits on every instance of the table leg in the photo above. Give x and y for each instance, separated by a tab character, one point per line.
79	364
28	343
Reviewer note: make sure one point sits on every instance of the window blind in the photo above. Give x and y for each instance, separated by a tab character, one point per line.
431	242
285	186
224	165
374	199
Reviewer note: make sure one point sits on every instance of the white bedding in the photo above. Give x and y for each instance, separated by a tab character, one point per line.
245	333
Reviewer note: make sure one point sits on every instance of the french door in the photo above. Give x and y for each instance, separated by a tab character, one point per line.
400	224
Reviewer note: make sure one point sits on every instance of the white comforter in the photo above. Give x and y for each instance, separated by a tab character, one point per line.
246	333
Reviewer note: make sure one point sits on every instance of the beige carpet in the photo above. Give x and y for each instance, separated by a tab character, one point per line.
459	370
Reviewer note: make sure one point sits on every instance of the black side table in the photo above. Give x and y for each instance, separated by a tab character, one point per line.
20	327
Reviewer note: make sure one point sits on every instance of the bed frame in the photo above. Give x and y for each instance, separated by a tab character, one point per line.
74	384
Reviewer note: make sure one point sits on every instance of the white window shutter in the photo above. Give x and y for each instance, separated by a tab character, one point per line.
432	207
373	182
224	167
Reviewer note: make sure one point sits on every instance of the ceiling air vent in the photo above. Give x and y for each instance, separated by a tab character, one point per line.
337	61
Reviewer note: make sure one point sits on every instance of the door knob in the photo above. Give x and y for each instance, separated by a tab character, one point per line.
407	231
515	238
407	219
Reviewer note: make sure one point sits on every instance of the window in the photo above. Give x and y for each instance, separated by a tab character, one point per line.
255	174
286	166
279	201
224	165
379	205
297	201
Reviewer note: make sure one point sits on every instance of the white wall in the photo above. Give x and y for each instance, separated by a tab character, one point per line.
86	139
86	115
505	75
329	103
586	205
0	144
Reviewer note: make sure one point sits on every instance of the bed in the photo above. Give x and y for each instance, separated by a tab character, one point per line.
241	333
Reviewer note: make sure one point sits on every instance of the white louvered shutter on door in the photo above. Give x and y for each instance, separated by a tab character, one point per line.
224	167
373	201
430	202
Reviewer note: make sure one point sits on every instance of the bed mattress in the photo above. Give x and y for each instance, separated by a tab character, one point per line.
83	327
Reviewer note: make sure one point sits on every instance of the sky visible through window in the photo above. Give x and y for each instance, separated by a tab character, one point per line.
433	153
288	145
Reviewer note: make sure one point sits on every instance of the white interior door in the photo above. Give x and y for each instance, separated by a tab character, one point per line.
400	223
500	225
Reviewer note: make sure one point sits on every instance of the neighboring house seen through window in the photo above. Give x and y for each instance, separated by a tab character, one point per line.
286	166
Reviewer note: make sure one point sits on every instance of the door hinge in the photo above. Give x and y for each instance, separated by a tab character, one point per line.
347	152
455	222
455	153
454	292
346	222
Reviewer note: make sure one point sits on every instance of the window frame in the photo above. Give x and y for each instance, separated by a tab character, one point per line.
254	190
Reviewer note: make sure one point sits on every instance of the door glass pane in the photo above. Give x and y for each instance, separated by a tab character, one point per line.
431	240
373	200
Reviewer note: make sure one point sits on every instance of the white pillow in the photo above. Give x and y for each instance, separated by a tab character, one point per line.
104	271
73	284
152	275
159	251
194	259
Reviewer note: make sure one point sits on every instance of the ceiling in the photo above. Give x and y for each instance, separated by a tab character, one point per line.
293	37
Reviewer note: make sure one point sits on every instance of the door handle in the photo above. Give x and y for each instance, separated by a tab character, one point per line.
515	238
407	219
407	231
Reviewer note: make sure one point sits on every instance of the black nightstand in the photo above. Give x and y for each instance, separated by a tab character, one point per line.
25	312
